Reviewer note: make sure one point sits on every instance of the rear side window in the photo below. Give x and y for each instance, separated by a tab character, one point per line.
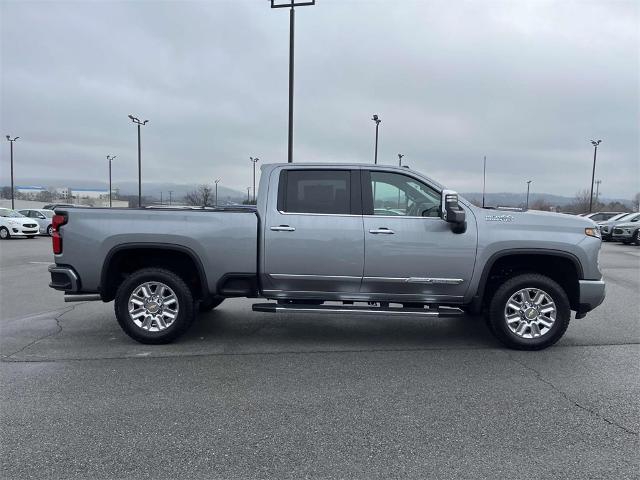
315	191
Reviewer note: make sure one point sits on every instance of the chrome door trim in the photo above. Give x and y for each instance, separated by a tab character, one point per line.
319	214
291	276
429	280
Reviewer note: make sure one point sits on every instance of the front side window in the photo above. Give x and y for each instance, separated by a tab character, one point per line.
395	194
316	191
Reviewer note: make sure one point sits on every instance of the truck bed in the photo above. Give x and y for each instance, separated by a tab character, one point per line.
223	239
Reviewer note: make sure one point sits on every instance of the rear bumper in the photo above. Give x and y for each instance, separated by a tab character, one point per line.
592	293
64	278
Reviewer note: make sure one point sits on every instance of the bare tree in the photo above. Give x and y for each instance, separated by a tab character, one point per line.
541	204
636	202
202	197
580	202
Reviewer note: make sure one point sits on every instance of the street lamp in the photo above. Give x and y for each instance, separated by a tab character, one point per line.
595	144
11	140
139	124
376	119
400	155
254	161
248	195
170	193
598	182
216	181
528	184
292	20
110	158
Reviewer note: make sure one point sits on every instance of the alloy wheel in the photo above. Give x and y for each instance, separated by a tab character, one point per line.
530	313
153	306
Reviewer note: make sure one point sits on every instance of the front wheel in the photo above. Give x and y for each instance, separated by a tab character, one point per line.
154	306
4	233
529	312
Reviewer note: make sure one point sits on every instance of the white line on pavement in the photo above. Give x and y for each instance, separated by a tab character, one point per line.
42	263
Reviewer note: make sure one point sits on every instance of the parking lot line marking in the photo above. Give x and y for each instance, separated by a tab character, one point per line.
635	254
42	263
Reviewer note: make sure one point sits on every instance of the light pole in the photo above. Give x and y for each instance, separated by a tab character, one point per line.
170	193
139	124
484	178
292	21
528	185
248	195
109	159
400	155
11	140
254	161
595	144
216	181
598	182
376	119
161	198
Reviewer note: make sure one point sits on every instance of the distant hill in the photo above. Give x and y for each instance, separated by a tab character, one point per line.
506	199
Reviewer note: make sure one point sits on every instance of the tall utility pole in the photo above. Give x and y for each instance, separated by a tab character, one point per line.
248	195
139	123
11	140
292	21
109	159
598	182
254	161
400	155
528	184
595	144
484	179
170	193
216	181
161	198
376	119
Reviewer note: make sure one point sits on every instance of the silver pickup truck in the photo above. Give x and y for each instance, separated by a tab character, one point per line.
332	238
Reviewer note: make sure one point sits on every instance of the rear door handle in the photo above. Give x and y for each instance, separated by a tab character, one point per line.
283	228
383	230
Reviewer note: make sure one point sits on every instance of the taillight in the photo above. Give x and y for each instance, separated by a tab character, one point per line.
56	239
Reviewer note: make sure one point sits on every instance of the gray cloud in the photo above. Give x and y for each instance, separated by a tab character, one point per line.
526	83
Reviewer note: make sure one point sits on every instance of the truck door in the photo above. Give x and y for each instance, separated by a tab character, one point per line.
411	253
313	241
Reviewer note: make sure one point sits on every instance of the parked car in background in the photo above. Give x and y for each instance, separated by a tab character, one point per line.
627	232
42	216
53	206
14	224
600	216
606	227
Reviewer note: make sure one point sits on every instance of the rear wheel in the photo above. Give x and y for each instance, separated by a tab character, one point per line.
4	233
154	306
529	312
50	230
636	237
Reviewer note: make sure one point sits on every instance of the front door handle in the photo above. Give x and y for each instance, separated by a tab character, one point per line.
283	228
383	230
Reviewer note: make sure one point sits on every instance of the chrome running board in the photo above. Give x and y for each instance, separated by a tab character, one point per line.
439	312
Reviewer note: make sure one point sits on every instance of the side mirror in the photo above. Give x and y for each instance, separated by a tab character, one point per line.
452	212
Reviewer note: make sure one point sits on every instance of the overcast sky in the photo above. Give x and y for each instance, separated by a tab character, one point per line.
526	83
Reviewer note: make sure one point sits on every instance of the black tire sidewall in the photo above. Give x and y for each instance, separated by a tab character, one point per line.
499	325
185	306
5	229
50	230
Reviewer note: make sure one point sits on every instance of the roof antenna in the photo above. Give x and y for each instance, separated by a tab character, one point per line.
484	179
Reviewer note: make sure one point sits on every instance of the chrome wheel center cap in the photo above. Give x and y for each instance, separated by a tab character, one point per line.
531	313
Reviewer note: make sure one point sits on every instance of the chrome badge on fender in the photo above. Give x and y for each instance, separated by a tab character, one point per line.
499	218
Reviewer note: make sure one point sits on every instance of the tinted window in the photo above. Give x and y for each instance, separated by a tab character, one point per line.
317	191
396	194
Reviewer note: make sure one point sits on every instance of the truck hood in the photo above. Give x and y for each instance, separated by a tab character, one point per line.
535	218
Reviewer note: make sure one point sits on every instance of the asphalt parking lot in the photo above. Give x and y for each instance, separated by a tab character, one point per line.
247	395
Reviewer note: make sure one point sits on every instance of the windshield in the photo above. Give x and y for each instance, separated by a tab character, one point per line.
5	212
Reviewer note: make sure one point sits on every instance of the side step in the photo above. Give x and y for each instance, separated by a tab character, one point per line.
440	312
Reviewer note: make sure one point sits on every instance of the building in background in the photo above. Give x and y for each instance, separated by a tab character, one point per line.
29	192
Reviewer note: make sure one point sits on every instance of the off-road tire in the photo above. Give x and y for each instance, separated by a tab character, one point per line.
498	324
186	310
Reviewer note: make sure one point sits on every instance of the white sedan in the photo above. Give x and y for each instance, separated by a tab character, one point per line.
13	224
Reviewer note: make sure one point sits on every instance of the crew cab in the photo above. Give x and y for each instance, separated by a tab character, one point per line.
335	239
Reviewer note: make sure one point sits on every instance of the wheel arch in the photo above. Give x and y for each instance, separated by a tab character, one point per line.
177	258
563	267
